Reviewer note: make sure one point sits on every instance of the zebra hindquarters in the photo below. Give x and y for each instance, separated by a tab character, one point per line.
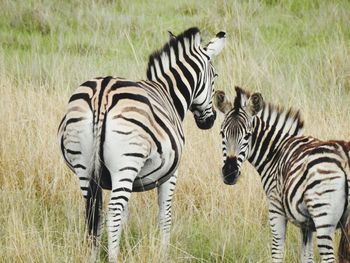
344	245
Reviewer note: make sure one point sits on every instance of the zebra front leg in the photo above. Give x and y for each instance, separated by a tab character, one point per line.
278	225
165	194
120	194
307	250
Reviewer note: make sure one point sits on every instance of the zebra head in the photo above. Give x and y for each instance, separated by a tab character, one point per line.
236	129
202	106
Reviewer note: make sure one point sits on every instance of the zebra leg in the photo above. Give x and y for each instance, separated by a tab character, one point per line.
325	220
165	194
120	195
307	250
125	215
325	235
325	224
326	202
125	153
278	225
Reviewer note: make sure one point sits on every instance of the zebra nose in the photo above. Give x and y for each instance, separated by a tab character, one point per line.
230	171
206	123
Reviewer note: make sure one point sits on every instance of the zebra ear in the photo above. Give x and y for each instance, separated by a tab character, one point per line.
255	104
215	45
221	102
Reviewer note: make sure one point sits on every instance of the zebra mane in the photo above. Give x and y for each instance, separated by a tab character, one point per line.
237	104
164	53
292	122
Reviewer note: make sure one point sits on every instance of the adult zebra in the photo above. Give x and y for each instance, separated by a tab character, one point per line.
127	136
305	179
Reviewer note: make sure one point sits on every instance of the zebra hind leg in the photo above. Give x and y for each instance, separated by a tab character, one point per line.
307	249
325	220
165	194
325	235
120	195
325	202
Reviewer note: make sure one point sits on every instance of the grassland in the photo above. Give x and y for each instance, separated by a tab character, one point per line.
297	53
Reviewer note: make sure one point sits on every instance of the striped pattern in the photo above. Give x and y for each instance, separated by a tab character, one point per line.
305	179
127	136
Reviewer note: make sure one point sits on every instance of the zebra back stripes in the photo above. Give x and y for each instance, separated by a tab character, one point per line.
126	136
305	179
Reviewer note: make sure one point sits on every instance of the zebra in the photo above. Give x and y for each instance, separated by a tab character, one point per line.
306	180
127	136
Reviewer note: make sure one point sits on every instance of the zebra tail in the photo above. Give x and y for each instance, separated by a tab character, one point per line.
93	204
344	245
94	196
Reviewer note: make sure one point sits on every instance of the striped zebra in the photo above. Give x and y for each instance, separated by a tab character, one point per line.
306	180
127	136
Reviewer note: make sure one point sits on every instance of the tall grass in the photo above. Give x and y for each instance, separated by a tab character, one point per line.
295	52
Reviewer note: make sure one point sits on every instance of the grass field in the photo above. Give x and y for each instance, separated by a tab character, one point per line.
295	52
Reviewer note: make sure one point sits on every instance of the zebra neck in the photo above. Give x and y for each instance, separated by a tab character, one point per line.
178	90
267	150
272	127
176	68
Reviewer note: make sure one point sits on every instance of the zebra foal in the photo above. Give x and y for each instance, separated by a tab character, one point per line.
306	180
127	136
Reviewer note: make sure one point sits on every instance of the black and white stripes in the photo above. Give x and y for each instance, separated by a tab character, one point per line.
128	136
305	179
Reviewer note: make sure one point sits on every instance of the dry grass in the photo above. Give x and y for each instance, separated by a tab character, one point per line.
295	53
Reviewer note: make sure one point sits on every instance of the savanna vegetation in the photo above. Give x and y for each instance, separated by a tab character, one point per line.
295	52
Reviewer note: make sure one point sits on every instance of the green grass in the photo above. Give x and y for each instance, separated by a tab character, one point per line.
295	52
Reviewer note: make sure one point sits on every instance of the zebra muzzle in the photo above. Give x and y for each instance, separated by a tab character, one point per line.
230	171
205	123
